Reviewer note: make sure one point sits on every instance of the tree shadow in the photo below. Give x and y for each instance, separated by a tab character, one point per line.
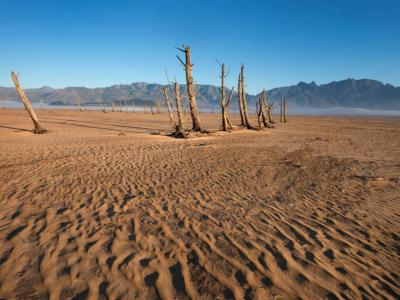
15	128
149	129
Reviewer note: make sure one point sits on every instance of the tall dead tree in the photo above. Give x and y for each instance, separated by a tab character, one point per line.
226	125
102	107
27	104
113	106
179	129
133	105
242	122
284	110
269	108
190	88
126	105
244	101
78	102
167	102
261	114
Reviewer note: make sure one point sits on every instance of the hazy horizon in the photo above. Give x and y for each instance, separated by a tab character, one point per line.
99	43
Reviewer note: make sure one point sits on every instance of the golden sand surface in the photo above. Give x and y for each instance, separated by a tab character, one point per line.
307	210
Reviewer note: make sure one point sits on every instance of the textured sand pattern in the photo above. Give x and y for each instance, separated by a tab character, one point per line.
307	210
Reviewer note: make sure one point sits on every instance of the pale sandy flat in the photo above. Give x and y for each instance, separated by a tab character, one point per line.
308	210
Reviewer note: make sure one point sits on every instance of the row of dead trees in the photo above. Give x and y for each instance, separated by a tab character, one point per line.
264	109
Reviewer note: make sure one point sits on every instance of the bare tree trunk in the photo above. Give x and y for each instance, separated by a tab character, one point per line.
180	132
269	112
41	103
171	118
78	102
223	107
190	88
102	107
113	106
284	110
224	103
133	105
281	111
126	105
98	103
242	123
263	105
27	104
120	106
244	101
258	104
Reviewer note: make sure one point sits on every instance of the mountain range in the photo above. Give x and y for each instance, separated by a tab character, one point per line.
364	93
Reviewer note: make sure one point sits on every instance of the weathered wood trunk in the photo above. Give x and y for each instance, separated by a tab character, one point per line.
284	110
242	123
226	125
191	90
113	106
244	101
103	108
133	105
38	128
78	102
258	104
263	109
179	132
126	105
171	118
269	112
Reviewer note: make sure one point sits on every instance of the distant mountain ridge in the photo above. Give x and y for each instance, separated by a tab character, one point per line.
364	93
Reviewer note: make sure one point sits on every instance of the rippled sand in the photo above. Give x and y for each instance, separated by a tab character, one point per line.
310	209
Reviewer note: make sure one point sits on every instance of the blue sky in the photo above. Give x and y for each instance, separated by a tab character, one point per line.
101	43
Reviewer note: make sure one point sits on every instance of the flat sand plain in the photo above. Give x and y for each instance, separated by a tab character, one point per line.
307	210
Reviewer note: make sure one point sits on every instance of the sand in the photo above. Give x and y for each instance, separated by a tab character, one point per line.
308	210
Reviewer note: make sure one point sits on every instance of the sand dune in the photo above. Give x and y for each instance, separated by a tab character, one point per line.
307	210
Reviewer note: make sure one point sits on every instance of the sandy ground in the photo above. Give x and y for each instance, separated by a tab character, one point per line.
310	209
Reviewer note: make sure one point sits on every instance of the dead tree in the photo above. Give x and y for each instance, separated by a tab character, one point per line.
261	115
190	88
281	111
171	118
78	102
126	105
242	123
244	101
269	108
133	105
102	107
179	129
226	125
265	110
27	104
41	103
284	110
113	106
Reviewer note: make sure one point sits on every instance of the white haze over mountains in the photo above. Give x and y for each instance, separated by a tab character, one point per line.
334	111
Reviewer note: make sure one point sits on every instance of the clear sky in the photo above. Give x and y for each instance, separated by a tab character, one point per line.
62	43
